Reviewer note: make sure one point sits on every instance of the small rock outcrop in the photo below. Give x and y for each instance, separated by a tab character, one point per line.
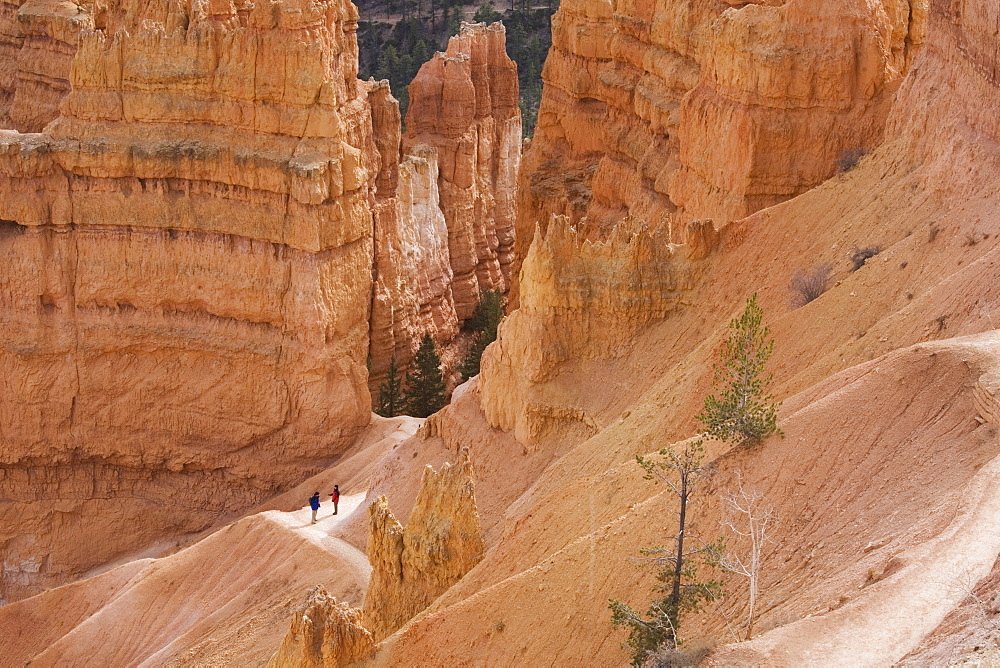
580	300
441	543
324	634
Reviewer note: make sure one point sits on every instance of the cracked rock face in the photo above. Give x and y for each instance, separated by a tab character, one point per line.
441	543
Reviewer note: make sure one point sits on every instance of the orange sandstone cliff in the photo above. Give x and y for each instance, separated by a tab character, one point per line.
675	110
205	249
187	292
885	481
38	39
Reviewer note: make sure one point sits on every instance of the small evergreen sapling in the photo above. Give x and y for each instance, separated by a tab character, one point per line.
743	411
390	401
486	319
682	473
425	392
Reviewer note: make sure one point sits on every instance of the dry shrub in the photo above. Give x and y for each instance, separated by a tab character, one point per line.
849	159
691	654
861	255
809	284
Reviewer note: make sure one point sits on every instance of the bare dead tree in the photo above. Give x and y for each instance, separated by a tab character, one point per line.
986	609
749	518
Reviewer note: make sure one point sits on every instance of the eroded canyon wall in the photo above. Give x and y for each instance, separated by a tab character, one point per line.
581	300
689	109
187	287
203	251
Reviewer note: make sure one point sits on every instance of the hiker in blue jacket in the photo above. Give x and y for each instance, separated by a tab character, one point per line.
314	504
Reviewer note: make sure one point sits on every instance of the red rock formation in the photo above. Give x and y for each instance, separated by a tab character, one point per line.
413	277
450	231
677	109
323	634
441	542
580	300
464	104
188	283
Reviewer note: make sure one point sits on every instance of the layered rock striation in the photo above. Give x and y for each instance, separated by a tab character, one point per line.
204	250
442	541
464	105
675	110
38	39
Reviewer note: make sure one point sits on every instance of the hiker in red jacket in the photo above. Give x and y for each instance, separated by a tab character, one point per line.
335	497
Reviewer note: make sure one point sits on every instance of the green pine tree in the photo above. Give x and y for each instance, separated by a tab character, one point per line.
390	402
455	23
486	13
485	319
425	389
470	364
421	54
683	473
743	411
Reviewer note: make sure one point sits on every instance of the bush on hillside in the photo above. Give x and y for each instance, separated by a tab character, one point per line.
849	159
808	285
861	255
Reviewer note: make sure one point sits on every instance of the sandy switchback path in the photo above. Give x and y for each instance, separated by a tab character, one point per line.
300	522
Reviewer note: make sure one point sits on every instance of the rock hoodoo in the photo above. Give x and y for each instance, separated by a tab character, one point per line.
441	542
464	104
446	231
324	634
